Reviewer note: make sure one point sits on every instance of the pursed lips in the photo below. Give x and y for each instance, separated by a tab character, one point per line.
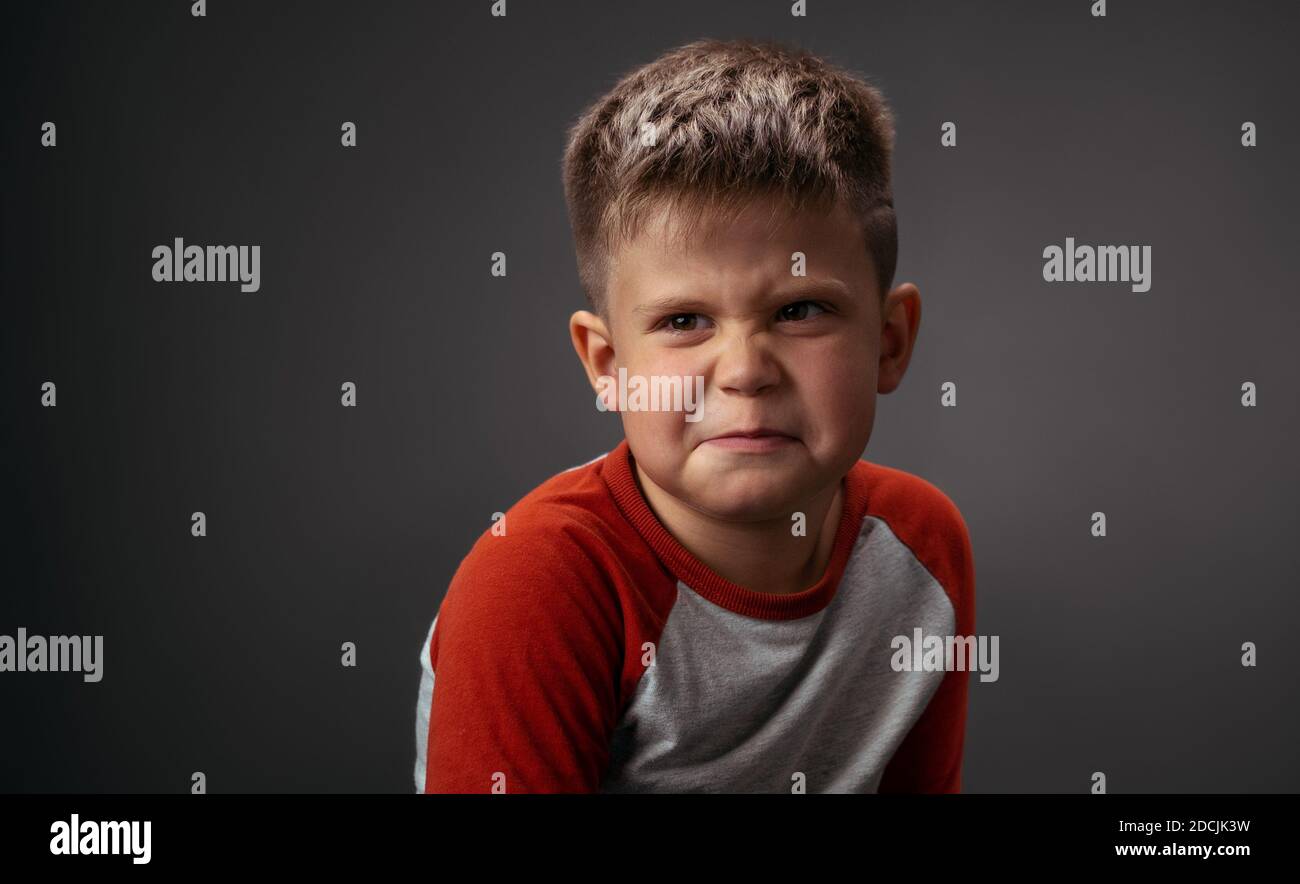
758	439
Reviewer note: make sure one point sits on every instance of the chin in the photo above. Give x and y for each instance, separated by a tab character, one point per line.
747	498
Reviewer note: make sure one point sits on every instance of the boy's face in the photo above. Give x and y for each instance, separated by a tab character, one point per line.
799	356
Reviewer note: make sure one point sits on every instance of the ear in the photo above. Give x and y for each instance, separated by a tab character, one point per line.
900	322
594	345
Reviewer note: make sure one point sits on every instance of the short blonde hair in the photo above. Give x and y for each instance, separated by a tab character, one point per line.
732	120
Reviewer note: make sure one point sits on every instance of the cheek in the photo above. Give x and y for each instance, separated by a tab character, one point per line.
840	377
662	437
662	425
837	397
665	361
680	364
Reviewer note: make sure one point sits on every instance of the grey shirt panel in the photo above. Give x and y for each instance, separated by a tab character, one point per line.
742	704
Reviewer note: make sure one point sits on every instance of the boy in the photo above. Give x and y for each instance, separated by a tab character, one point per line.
712	606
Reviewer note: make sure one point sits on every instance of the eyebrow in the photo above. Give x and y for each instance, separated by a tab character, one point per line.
803	287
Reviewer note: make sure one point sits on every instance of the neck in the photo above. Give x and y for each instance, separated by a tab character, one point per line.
763	556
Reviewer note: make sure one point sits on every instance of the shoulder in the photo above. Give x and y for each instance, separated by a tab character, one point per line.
542	561
926	520
555	530
908	499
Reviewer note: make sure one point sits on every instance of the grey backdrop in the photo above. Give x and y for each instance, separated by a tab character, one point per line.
329	524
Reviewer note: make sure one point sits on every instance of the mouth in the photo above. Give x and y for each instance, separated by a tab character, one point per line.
759	440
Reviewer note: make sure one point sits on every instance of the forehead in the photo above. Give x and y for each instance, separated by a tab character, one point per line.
737	252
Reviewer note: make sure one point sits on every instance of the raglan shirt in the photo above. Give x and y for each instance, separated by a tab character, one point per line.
581	648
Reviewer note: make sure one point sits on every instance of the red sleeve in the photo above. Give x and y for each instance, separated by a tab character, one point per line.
526	655
929	759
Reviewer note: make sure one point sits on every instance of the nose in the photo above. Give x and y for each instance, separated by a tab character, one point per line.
745	364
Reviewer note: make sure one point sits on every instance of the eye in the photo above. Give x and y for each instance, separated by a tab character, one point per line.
799	310
681	322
